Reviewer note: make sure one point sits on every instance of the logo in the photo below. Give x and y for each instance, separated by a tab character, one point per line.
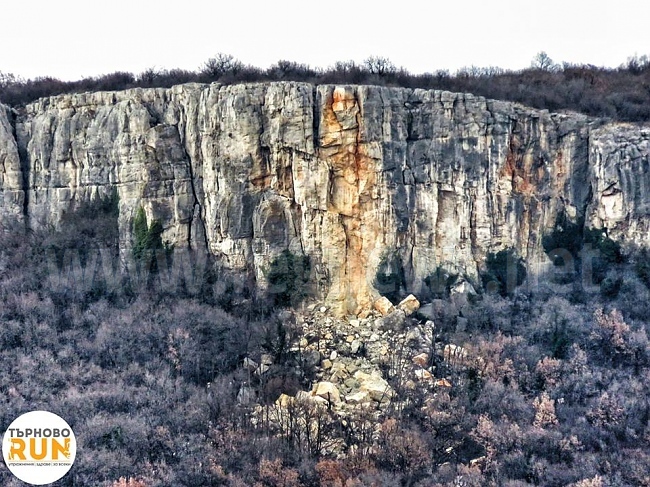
39	447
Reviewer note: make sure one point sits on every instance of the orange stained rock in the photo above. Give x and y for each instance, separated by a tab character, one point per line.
421	359
353	178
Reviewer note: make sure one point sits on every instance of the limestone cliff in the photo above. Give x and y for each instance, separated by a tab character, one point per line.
344	174
12	194
619	161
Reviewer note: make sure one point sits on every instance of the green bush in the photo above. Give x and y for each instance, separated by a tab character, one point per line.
574	238
505	271
610	251
642	266
565	236
89	226
148	241
288	276
390	279
440	282
146	237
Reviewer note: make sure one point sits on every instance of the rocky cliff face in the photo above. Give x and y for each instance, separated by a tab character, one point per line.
345	174
619	162
12	194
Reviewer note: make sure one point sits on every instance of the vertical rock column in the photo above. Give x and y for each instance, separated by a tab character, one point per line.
12	195
619	160
351	227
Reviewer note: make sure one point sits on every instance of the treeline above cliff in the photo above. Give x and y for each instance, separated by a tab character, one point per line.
621	93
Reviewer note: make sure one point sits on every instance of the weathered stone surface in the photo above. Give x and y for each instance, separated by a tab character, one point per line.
338	372
304	396
415	336
262	369
345	174
462	287
358	397
312	358
423	374
284	400
373	384
250	364
421	359
384	306
409	305
12	194
327	391
619	161
394	321
428	311
246	395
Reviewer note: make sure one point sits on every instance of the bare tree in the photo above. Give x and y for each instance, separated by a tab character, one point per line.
637	64
7	79
221	64
379	65
544	62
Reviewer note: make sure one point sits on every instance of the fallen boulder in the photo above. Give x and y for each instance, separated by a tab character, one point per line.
358	397
423	374
409	305
394	321
376	387
384	306
327	391
421	359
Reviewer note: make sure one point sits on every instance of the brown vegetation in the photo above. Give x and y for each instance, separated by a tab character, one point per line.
552	388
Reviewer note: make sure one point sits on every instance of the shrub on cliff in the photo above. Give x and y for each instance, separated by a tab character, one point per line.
569	244
288	276
390	279
505	271
147	241
617	93
219	65
440	281
566	236
89	225
642	266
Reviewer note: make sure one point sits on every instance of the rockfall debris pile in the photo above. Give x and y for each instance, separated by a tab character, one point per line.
362	370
